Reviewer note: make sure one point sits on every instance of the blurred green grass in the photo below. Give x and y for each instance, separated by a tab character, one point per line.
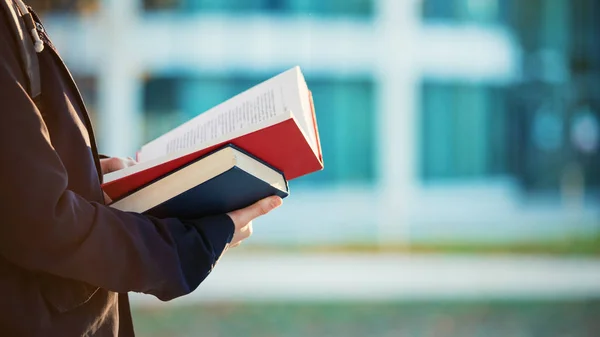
574	245
419	319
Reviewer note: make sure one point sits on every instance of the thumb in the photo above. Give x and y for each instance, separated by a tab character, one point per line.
262	207
111	165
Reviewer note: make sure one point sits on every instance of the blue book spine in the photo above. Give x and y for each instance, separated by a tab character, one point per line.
229	191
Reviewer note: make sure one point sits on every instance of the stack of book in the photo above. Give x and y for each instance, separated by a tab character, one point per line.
242	150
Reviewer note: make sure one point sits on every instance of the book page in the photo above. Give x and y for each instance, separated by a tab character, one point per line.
297	98
252	107
231	119
305	116
282	93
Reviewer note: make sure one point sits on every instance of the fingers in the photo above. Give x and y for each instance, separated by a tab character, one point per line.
242	218
113	164
130	162
260	208
241	235
246	231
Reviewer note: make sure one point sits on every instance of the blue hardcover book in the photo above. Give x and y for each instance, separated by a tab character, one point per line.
222	181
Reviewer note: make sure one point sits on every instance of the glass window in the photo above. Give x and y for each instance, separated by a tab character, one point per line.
554	137
225	5
160	4
484	11
463	131
344	107
332	7
161	107
347	118
359	8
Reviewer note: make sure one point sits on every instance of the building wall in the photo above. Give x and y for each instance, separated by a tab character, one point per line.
439	119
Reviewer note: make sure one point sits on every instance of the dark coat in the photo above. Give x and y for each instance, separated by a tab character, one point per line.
67	261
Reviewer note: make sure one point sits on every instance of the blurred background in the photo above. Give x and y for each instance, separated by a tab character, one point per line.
461	190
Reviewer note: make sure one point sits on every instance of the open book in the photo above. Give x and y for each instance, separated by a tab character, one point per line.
273	121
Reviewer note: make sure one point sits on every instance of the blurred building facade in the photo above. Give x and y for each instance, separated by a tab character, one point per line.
440	119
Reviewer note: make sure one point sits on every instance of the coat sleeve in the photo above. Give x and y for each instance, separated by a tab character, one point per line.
47	228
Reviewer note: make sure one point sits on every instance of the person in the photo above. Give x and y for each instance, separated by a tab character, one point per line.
67	260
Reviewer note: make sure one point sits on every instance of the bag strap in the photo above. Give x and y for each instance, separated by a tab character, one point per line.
29	60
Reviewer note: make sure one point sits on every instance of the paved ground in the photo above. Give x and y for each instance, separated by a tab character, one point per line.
244	277
352	319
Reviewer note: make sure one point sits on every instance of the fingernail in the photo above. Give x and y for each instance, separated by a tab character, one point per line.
276	202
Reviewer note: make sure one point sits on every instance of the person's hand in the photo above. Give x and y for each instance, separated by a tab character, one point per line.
113	164
242	218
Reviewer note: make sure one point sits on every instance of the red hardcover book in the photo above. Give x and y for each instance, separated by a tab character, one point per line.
274	121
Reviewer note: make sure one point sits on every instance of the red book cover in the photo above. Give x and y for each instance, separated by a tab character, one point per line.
282	145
